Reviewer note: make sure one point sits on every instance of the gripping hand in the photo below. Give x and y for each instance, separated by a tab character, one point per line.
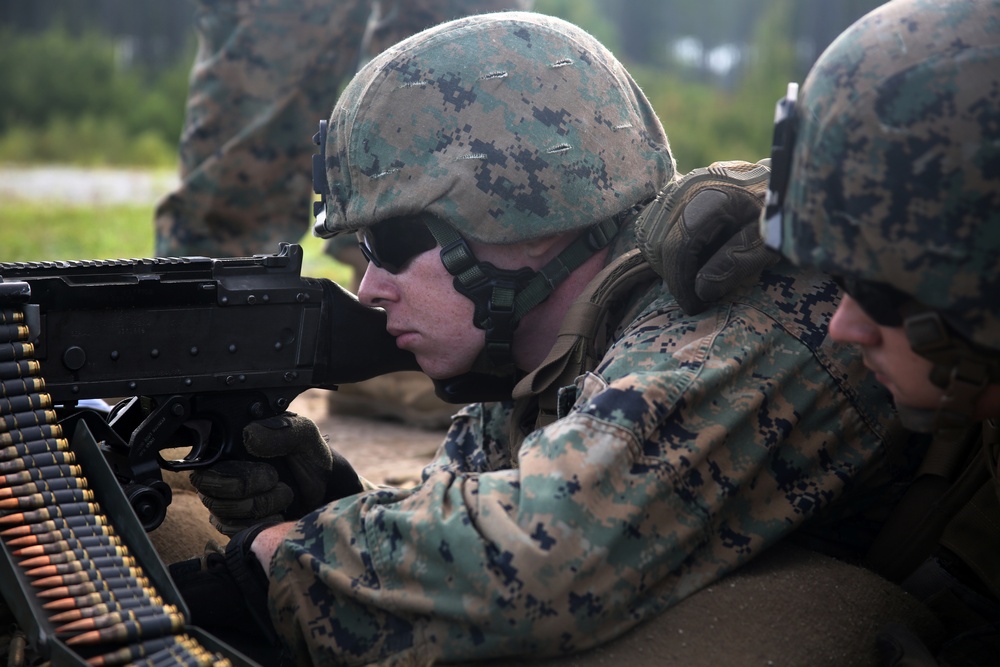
701	234
290	471
226	593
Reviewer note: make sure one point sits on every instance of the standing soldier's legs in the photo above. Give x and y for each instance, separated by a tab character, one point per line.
394	20
265	73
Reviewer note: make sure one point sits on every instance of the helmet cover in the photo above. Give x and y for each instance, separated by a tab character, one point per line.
509	126
895	171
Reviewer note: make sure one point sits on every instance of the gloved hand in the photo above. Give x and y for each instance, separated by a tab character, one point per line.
701	234
291	471
226	594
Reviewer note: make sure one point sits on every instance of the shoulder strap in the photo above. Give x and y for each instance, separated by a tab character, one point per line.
974	533
577	348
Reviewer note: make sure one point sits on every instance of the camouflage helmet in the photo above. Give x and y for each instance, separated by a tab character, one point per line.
894	174
508	126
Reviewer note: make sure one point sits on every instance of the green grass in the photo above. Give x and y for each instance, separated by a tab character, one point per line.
86	142
37	231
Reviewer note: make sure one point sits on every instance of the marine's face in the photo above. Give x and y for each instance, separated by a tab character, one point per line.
887	353
425	313
429	317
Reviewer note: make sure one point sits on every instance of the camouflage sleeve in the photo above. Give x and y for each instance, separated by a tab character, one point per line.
265	73
697	443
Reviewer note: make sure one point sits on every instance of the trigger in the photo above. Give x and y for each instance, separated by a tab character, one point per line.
188	442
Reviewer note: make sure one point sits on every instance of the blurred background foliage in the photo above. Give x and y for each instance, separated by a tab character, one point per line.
103	82
93	82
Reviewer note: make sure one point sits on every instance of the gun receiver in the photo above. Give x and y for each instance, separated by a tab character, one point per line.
191	341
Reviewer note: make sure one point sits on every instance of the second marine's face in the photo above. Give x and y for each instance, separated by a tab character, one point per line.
887	353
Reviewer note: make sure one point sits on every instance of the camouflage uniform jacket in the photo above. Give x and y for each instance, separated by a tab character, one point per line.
696	443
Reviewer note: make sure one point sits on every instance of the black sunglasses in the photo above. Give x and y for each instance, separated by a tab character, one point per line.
883	303
392	243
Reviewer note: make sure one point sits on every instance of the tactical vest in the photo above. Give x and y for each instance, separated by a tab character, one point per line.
942	543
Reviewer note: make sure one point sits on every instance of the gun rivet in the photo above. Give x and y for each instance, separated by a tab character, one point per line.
187	382
256	410
230	379
232	347
266	298
300	297
76	389
132	385
178	410
194	351
278	346
114	355
243	378
251	299
74	358
154	353
282	403
224	300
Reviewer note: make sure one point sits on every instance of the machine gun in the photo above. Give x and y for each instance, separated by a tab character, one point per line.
195	349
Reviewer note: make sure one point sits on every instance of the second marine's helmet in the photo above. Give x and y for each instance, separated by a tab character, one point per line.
886	174
497	128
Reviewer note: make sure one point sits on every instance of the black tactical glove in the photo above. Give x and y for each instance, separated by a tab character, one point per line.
291	471
701	234
226	594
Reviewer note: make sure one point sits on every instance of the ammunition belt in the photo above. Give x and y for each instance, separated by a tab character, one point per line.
82	594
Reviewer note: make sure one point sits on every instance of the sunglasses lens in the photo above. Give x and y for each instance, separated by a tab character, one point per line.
392	243
881	302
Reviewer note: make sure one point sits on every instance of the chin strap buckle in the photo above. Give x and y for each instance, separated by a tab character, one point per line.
958	369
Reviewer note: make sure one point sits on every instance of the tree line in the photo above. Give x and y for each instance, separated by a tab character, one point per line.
104	81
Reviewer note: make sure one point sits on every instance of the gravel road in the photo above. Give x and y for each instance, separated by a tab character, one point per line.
66	184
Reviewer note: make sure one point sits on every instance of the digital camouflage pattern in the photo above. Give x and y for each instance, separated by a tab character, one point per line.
696	443
265	73
509	127
896	167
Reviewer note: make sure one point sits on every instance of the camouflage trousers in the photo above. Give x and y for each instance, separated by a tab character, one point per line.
266	72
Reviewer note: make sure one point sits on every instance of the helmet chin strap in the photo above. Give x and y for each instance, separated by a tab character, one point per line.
501	298
962	371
